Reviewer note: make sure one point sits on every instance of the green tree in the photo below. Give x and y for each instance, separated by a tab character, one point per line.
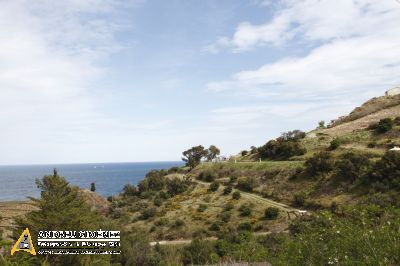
61	207
193	156
93	187
212	153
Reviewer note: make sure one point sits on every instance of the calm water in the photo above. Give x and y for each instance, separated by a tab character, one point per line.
18	182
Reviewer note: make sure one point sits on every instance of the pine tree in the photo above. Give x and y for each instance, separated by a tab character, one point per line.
61	207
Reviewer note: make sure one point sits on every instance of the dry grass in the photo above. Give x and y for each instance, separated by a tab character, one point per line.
11	210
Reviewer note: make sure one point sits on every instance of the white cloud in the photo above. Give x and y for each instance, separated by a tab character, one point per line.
313	20
48	68
358	52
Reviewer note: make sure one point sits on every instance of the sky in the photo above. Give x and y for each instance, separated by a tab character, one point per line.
143	80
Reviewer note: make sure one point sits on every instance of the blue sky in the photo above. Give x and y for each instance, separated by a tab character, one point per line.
143	80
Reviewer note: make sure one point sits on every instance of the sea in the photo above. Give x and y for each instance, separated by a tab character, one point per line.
17	182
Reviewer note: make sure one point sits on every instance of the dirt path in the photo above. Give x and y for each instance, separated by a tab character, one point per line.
273	203
188	241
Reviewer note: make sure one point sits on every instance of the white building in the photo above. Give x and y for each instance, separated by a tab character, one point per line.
394	91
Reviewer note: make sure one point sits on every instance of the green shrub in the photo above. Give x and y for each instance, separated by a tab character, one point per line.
148	213
333	207
236	195
284	147
245	210
225	216
351	166
386	171
214	186
162	221
245	227
157	201
384	125
371	144
227	190
199	252
176	186
244	153
247	183
179	223
130	190
228	206
214	227
208	175
271	213
335	143
321	162
299	199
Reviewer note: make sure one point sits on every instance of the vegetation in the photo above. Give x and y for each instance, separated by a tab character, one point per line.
284	147
93	187
348	183
384	125
194	155
271	213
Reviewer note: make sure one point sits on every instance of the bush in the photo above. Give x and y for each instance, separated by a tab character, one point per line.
299	199
213	186
148	213
225	216
199	252
176	186
271	213
320	163
236	195
333	207
157	201
245	210
284	147
202	208
247	183
244	153
214	227
162	222
335	143
179	223
244	227
384	125
130	190
351	166
253	150
227	190
207	175
371	144
229	206
387	171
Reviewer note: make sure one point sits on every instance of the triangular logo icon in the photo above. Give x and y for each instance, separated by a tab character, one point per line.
24	243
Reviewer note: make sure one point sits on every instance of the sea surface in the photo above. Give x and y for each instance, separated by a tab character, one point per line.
18	182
